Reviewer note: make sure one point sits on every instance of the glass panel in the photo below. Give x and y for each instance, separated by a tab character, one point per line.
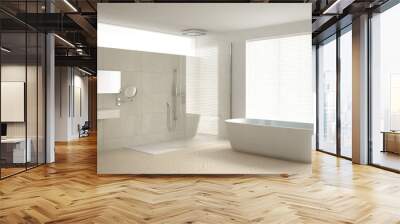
13	89
31	97
31	87
22	89
386	89
346	93
327	96
314	87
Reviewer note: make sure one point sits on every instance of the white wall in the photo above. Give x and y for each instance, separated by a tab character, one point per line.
144	120
66	121
33	127
12	73
81	83
62	81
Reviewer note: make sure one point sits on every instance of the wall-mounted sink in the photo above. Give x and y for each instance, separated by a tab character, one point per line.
108	114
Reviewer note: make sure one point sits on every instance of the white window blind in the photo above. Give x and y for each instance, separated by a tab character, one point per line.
279	79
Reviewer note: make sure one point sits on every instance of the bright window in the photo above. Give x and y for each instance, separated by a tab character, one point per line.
385	88
119	37
279	83
327	96
346	93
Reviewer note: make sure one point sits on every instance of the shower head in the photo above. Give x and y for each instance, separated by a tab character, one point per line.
194	32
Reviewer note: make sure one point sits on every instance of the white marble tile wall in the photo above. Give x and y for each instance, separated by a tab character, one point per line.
144	120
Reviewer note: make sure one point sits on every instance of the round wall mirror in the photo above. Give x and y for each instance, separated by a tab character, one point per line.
130	92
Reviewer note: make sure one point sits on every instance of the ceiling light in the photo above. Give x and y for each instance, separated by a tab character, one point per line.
65	41
194	32
84	71
70	5
328	10
337	7
5	50
80	51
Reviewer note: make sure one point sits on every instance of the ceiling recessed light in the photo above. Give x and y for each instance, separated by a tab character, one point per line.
194	32
84	71
5	50
337	7
70	5
64	40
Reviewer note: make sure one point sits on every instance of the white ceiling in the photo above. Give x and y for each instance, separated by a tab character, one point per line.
213	17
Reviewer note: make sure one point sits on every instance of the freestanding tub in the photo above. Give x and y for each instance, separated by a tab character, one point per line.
277	139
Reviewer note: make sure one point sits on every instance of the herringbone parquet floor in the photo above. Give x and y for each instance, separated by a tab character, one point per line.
69	191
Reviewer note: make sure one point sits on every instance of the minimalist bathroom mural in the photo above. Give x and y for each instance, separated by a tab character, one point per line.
167	93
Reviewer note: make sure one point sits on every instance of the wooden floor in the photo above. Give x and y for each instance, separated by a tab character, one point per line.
5	172
387	159
69	191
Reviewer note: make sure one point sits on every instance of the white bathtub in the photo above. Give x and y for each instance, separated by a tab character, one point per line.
192	125
277	139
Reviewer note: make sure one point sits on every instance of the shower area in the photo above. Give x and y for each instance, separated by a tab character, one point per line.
165	102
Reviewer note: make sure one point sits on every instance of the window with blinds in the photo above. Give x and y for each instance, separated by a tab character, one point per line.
279	83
